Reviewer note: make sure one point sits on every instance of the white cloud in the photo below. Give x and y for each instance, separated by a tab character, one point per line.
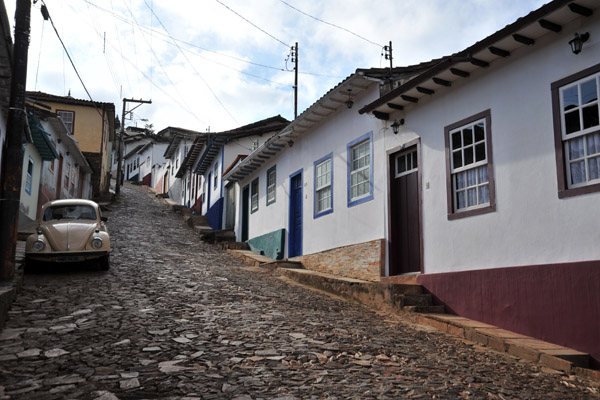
187	89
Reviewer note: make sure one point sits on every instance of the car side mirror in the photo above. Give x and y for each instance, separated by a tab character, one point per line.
104	219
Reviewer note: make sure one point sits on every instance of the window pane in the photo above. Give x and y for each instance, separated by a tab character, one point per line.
414	160
589	92
483	174
594	167
590	116
480	152
570	98
460	180
572	122
479	132
457	159
468	155
484	194
472	177
401	164
577	172
593	144
460	200
467	136
472	197
576	148
456	142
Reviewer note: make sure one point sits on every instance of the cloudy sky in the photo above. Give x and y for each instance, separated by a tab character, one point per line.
222	63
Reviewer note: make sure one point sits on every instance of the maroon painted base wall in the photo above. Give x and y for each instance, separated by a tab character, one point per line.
557	303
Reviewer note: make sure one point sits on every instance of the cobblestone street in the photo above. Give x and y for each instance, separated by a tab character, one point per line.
178	318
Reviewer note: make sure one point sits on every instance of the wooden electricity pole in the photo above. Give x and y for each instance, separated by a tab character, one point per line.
121	143
12	160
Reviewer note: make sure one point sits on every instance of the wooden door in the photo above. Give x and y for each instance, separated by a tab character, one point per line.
245	211
295	231
405	213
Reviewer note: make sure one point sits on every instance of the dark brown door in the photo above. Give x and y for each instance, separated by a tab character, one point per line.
405	229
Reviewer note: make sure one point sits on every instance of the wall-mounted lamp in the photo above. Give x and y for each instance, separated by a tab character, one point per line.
291	143
349	102
577	42
396	125
68	152
59	140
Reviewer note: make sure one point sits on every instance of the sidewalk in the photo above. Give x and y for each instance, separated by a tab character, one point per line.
382	296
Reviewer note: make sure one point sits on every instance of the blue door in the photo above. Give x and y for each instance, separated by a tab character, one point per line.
295	231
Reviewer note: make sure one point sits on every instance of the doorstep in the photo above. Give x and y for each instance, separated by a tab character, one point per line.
523	347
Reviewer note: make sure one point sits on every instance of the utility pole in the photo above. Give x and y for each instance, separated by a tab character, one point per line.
388	55
12	160
295	61
121	142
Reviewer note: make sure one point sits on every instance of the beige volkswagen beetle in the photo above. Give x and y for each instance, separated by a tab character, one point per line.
70	230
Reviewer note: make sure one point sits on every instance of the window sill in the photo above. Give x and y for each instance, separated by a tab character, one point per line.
360	200
566	193
471	213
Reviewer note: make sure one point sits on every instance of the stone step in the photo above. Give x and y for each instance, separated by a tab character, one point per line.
401	288
411	299
425	309
233	246
202	229
226	235
272	265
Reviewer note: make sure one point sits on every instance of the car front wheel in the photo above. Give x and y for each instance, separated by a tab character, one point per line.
105	263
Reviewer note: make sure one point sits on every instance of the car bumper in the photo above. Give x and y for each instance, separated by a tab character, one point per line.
66	256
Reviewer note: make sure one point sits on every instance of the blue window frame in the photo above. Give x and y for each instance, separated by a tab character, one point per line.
254	196
216	174
360	170
271	185
29	177
323	186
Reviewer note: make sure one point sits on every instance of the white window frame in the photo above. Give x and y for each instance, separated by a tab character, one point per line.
363	142
589	137
254	196
68	118
323	189
271	185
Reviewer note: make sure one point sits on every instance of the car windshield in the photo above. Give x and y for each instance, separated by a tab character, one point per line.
70	212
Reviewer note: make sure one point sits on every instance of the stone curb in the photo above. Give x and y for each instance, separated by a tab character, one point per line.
380	296
9	289
523	347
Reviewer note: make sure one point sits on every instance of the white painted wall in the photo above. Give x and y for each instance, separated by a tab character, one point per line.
346	225
29	198
531	224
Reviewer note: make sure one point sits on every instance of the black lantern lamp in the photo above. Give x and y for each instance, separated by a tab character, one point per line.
349	102
396	125
577	42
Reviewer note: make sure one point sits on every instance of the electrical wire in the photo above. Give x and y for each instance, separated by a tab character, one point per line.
68	55
173	39
192	65
251	23
330	24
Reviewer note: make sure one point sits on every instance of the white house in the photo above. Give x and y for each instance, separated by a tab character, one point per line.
295	200
180	143
492	181
477	177
220	152
53	165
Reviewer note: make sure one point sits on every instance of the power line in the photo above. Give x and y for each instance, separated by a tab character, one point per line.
191	65
172	40
330	24
46	15
251	23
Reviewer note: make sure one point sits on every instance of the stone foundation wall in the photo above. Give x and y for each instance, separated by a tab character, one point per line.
359	261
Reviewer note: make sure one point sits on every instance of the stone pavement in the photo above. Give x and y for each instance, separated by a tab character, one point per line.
176	318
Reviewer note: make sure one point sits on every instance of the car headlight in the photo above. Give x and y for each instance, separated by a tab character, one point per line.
96	243
38	245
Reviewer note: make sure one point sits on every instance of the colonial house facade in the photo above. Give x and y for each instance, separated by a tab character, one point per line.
180	143
477	177
92	124
493	178
219	152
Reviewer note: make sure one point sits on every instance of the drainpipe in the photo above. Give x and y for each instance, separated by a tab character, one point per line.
12	161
